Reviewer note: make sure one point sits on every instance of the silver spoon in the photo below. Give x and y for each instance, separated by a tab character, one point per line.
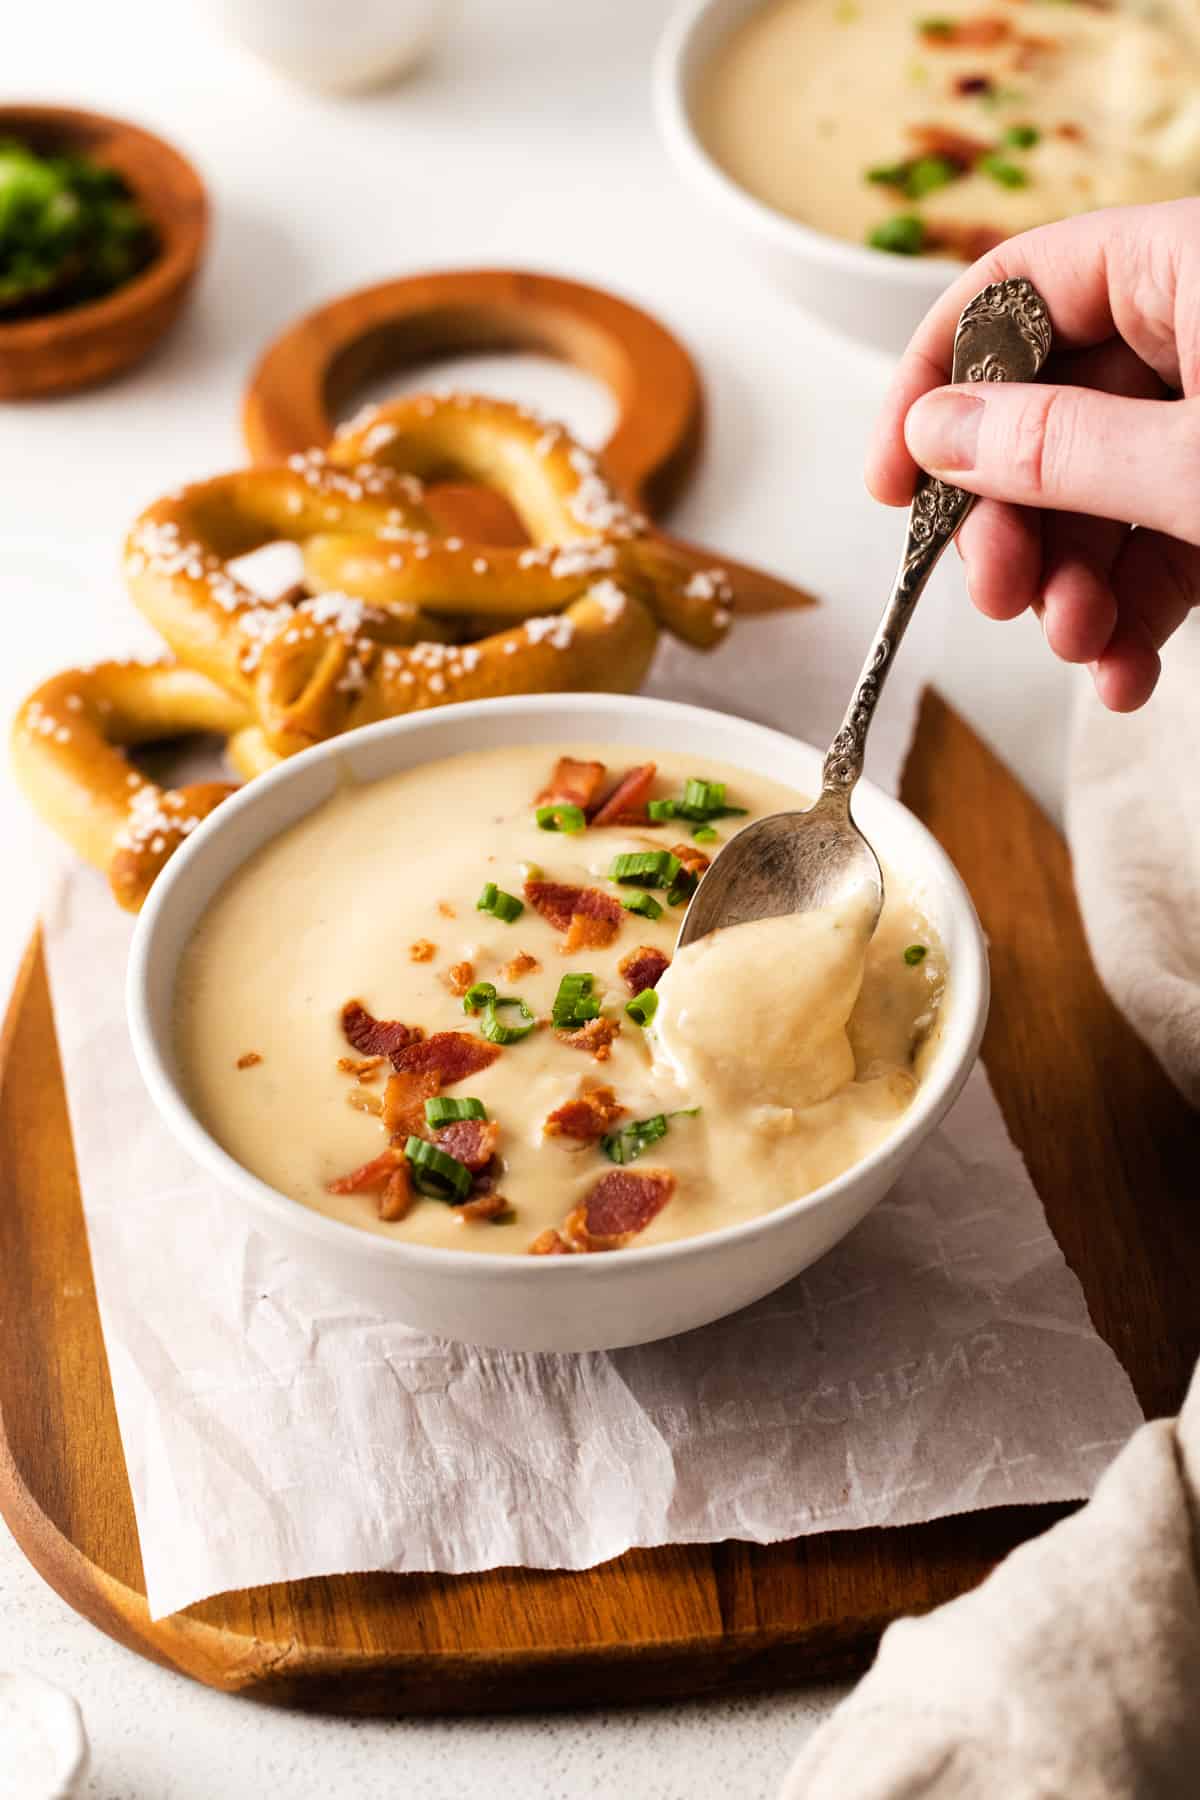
797	861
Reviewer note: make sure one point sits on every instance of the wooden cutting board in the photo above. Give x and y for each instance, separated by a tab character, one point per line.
1112	1149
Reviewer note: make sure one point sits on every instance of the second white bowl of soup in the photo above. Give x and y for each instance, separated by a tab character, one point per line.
867	149
413	998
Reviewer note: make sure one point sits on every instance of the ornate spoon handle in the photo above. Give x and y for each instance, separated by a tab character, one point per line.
1003	335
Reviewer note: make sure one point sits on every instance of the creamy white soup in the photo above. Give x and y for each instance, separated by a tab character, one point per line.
925	128
445	1007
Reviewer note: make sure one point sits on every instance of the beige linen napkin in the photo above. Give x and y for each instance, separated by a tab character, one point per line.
1074	1671
1133	819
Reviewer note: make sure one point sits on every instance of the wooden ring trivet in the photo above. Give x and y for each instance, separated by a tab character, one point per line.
306	379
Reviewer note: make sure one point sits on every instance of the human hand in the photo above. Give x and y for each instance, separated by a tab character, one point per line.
1068	466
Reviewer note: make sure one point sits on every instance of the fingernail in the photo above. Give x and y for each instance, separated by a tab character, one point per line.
942	430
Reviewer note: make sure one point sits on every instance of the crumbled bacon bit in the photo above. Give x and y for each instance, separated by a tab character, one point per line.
1031	51
249	1059
446	910
486	1206
459	977
586	1118
1074	134
626	805
967	85
369	1175
549	1243
422	951
521	964
955	147
450	1055
471	1141
364	1067
692	857
965	34
621	1204
404	1102
587	932
643	968
596	1037
375	1037
362	1101
574	783
396	1200
560	904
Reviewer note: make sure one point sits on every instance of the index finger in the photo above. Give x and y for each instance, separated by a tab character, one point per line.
1088	270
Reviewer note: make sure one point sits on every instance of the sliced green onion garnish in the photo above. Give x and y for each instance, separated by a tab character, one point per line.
1008	174
646	868
643	1006
478	995
916	953
559	817
626	1145
682	888
444	1111
660	810
642	903
495	1032
1022	137
574	1003
903	234
709	795
437	1174
504	906
704	834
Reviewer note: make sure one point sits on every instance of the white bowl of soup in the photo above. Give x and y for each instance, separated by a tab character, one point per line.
820	129
412	999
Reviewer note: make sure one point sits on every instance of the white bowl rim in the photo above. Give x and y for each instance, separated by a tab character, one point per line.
936	1093
692	155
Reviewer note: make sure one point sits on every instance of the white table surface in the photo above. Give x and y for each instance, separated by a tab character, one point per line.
528	142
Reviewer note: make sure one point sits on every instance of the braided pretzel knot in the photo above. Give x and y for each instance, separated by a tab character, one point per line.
402	618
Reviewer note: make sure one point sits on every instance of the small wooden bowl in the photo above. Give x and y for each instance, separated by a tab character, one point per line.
89	343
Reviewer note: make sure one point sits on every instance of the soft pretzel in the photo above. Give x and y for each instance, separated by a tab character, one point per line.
67	745
400	618
384	636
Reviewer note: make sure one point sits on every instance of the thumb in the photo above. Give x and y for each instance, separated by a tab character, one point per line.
1067	448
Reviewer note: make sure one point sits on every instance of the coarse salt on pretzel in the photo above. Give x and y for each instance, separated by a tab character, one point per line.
67	751
376	643
403	618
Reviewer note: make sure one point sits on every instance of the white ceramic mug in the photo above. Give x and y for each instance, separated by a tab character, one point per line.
340	45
